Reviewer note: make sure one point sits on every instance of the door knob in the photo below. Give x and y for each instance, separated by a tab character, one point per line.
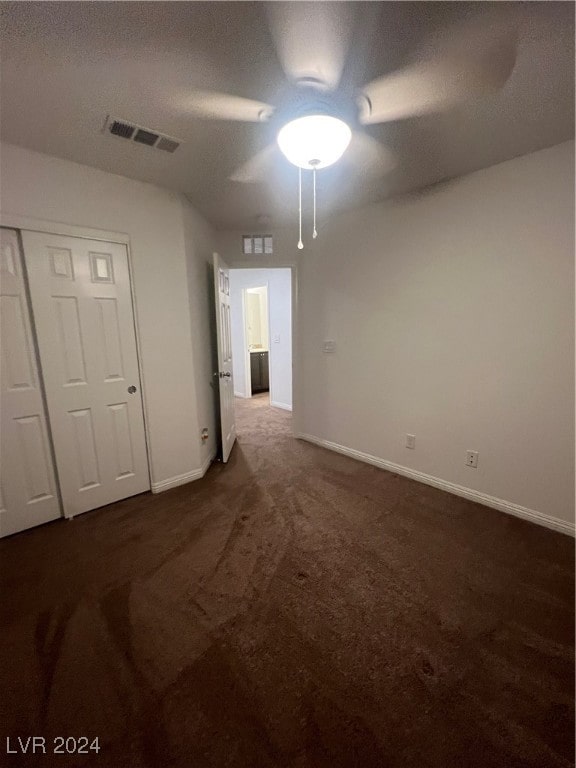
131	389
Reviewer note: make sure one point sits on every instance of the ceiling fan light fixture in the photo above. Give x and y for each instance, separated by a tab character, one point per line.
314	141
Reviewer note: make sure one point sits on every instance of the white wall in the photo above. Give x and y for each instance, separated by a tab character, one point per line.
263	309
163	232
453	317
256	315
199	247
452	311
279	283
264	330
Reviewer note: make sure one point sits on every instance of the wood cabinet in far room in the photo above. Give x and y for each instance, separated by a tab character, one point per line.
259	371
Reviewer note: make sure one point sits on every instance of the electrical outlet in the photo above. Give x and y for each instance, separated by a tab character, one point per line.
410	441
472	458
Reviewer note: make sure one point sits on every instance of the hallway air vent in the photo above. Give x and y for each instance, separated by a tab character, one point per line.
257	244
146	137
168	145
140	135
122	129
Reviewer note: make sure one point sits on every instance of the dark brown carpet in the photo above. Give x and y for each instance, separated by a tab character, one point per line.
295	608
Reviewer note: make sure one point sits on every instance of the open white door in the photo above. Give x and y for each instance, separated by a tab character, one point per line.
224	335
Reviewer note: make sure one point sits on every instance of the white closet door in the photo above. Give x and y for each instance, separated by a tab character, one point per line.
81	302
28	494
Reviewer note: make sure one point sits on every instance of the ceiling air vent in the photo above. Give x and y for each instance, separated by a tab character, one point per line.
122	129
257	244
140	135
168	145
146	137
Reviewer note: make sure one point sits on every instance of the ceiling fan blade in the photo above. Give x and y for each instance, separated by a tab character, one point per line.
369	157
312	39
212	105
258	169
469	61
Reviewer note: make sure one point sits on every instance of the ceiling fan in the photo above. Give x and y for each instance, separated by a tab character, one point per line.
316	120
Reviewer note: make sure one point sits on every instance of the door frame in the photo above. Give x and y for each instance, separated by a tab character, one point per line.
247	362
262	263
31	224
247	372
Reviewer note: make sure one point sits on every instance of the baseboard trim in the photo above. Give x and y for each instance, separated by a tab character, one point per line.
187	477
284	406
458	490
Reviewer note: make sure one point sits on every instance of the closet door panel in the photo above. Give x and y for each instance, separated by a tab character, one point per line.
82	306
28	494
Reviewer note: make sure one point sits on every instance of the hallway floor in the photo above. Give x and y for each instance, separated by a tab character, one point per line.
294	608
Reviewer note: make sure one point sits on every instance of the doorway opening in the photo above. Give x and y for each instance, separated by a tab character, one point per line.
261	330
257	339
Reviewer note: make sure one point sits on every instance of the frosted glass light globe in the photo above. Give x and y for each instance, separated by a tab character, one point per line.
314	141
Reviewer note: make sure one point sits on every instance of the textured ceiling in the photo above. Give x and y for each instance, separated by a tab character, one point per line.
65	66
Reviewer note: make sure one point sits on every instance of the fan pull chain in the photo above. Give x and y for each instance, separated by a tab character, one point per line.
314	233
300	243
